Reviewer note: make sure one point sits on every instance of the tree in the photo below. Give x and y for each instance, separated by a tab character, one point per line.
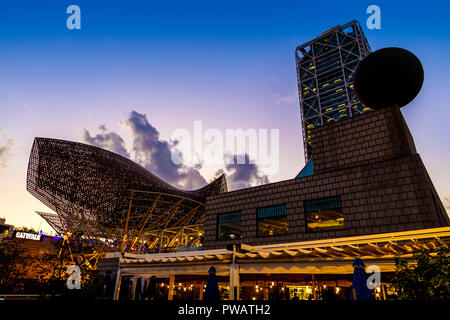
53	275
12	258
427	279
26	229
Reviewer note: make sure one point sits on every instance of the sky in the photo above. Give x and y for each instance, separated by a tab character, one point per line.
137	71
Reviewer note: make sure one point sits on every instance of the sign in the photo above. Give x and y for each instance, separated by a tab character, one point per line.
28	236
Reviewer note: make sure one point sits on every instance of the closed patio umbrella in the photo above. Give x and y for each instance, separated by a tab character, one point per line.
212	288
138	290
359	282
150	292
105	289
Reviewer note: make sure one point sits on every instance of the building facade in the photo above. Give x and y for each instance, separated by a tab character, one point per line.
367	179
5	229
325	69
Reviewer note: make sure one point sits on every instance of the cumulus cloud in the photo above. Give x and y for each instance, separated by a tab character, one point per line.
154	154
6	144
148	150
107	140
243	175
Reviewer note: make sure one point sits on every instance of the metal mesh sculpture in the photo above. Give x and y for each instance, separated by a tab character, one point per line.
100	194
55	221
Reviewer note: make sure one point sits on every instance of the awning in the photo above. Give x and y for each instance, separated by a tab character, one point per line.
329	256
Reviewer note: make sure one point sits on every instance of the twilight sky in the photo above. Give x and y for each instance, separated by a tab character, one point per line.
229	64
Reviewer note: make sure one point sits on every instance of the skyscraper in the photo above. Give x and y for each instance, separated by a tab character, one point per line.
325	69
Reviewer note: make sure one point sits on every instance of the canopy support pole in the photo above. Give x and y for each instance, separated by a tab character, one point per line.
117	286
314	288
202	287
234	277
133	290
171	287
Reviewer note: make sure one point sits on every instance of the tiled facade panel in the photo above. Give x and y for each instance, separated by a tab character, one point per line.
376	136
108	264
382	182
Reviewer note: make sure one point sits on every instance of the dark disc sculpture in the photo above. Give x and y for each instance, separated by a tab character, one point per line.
389	76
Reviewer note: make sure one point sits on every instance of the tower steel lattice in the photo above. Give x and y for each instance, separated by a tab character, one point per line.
325	69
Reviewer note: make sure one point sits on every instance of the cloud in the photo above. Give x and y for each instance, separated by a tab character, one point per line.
279	99
154	154
107	140
243	175
148	150
447	203
6	144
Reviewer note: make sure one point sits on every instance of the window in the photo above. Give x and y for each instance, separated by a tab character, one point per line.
229	226
272	221
324	214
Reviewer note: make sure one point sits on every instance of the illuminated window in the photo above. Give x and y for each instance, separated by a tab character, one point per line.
324	214
272	221
229	225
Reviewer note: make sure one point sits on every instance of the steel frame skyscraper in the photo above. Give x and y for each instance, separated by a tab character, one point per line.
325	69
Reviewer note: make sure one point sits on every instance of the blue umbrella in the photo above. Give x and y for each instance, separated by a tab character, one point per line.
359	282
212	288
